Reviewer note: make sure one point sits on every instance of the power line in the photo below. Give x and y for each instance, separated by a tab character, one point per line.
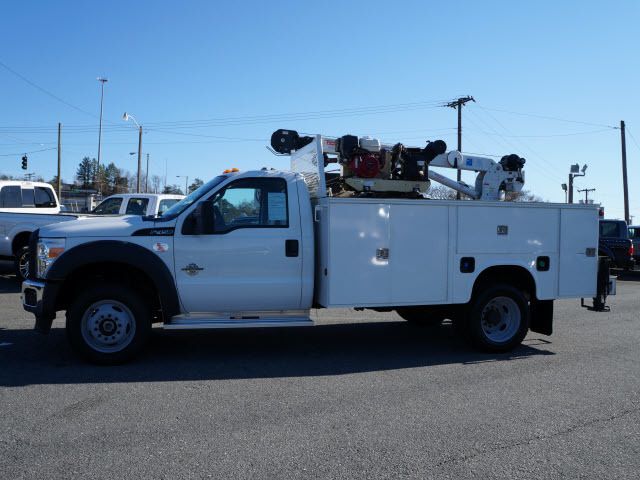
240	139
509	145
243	120
518	140
548	117
554	134
43	90
633	139
26	153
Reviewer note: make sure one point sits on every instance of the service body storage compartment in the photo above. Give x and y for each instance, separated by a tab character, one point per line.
381	252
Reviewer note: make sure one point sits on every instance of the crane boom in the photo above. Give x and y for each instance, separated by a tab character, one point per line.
368	165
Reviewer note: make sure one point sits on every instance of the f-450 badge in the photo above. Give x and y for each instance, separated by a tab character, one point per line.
192	269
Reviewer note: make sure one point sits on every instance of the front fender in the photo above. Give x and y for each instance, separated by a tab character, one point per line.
120	252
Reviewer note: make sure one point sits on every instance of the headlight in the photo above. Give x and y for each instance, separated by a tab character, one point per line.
48	250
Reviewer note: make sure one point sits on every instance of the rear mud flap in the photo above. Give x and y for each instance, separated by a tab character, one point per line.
542	317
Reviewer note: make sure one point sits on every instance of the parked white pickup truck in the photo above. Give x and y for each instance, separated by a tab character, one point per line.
137	204
260	248
25	207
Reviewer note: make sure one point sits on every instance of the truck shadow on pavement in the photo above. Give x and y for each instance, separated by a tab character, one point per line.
28	358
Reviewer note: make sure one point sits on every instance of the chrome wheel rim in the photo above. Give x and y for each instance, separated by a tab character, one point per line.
501	319
108	326
23	265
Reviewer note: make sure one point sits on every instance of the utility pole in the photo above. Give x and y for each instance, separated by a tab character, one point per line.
624	172
586	194
139	157
102	82
59	161
146	180
458	104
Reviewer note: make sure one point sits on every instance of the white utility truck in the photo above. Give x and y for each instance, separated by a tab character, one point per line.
348	226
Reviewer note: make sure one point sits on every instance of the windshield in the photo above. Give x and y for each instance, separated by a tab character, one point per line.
194	196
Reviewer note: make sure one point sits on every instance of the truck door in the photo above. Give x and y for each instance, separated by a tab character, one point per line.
252	261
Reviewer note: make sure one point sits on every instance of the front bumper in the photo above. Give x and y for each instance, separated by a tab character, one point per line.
39	297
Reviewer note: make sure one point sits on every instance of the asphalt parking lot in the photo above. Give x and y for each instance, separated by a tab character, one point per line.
372	398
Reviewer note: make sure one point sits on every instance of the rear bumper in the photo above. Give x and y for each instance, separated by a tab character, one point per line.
39	298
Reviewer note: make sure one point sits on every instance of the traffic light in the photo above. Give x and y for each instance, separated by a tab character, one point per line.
24	162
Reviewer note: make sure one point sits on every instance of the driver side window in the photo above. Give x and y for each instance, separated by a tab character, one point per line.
238	205
251	203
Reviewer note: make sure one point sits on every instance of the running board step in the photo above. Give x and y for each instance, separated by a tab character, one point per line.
183	323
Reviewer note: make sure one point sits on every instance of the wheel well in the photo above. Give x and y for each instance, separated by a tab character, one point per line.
19	241
121	273
513	275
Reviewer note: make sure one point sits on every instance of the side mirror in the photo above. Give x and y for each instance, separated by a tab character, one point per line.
204	218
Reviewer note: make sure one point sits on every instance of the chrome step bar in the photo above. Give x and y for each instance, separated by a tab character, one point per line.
205	321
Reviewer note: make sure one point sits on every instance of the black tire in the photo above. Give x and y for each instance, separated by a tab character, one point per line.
498	318
21	261
116	310
420	316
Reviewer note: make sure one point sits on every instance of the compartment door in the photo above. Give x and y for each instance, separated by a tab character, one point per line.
358	272
578	272
419	254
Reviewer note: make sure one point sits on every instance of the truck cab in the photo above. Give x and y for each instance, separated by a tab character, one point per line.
137	204
616	244
28	197
240	244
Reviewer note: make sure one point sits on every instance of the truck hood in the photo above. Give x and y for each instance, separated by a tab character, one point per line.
106	227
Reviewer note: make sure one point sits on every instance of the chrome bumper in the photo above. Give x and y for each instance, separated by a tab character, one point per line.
32	295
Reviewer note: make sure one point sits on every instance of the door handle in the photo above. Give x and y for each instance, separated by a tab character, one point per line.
291	248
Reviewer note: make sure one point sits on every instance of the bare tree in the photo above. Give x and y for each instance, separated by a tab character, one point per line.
440	192
156	181
522	196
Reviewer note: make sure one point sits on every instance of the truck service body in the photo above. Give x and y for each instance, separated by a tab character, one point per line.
261	248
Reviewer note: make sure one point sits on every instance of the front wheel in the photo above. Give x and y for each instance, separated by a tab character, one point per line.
498	318
108	324
21	263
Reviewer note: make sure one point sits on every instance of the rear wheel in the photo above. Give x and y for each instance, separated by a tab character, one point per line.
108	324
21	263
498	318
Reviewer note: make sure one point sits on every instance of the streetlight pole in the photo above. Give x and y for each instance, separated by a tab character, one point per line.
102	82
186	182
126	116
575	172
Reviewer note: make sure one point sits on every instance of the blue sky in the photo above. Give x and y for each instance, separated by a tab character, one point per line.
182	61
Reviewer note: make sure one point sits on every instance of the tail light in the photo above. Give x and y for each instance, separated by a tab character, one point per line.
631	250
